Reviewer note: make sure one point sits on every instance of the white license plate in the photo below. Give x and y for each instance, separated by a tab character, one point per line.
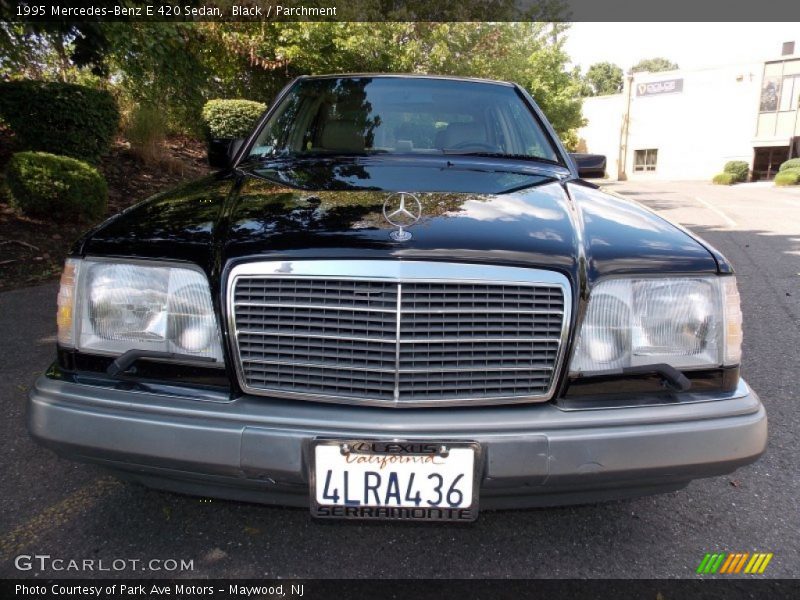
395	480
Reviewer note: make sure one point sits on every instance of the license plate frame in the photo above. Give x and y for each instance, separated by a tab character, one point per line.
467	513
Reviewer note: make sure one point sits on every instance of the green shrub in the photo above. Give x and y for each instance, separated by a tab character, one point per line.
792	163
146	129
724	179
231	118
788	177
60	118
738	168
55	187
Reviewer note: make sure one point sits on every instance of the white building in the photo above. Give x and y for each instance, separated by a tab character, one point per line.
686	124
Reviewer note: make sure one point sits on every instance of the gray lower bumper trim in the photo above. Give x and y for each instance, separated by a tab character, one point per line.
253	448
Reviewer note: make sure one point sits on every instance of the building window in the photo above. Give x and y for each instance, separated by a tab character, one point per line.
770	90
645	160
780	86
790	90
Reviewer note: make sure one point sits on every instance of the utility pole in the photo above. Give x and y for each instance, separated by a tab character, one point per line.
794	141
622	159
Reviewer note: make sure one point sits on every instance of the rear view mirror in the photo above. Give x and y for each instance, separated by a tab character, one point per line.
590	166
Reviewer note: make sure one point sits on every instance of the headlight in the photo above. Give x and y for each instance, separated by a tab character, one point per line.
112	307
686	322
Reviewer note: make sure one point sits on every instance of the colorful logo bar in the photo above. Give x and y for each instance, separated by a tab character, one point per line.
734	563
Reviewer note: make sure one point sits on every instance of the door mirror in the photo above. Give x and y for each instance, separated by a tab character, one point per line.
590	166
222	151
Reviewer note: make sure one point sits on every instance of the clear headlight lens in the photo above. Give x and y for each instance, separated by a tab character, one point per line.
125	306
685	322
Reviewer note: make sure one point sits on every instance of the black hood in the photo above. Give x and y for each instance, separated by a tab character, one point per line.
470	213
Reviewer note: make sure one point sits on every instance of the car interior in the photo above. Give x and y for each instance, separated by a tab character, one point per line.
386	119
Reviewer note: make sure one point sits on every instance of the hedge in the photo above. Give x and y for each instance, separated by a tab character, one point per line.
738	168
788	177
792	163
724	179
61	118
55	187
231	118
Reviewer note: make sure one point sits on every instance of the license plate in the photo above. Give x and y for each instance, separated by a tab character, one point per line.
394	480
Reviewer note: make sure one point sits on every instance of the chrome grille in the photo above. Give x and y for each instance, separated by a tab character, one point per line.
405	334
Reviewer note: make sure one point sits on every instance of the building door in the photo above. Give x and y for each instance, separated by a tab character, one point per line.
767	160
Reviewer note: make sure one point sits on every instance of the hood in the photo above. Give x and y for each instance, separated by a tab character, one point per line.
480	215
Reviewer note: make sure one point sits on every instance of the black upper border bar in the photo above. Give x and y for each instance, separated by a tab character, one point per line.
402	10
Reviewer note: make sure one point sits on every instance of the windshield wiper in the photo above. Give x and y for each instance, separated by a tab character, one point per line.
262	161
311	156
487	154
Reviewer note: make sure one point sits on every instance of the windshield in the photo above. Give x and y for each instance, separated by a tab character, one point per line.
396	115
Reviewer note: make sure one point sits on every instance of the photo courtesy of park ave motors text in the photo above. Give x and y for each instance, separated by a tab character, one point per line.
273	290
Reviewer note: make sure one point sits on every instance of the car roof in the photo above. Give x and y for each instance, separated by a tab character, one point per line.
407	76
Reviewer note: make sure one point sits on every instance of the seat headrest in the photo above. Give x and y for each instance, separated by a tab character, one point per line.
461	133
343	136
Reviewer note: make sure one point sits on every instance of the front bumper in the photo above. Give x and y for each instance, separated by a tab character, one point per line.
255	448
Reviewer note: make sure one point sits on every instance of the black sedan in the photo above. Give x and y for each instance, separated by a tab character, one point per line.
399	299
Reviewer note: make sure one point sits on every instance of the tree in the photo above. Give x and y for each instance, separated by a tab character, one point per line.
178	66
556	90
530	53
654	65
38	51
159	65
603	78
55	49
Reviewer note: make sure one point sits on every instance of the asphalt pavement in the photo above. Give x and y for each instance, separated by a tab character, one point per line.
67	510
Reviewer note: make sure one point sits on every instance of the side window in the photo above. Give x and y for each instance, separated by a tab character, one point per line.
528	140
284	129
498	132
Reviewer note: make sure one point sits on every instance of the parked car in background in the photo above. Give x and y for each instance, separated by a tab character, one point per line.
399	299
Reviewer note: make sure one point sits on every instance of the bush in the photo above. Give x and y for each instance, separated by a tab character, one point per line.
146	129
788	177
792	163
738	168
231	118
55	187
61	118
724	179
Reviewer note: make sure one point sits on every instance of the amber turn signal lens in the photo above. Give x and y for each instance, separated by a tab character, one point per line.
733	322
65	316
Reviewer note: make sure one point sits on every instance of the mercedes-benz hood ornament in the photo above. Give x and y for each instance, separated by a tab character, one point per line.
402	210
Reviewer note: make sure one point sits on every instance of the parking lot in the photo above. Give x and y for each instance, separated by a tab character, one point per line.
73	511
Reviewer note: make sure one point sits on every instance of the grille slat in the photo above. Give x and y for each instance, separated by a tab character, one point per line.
343	338
319	292
360	367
